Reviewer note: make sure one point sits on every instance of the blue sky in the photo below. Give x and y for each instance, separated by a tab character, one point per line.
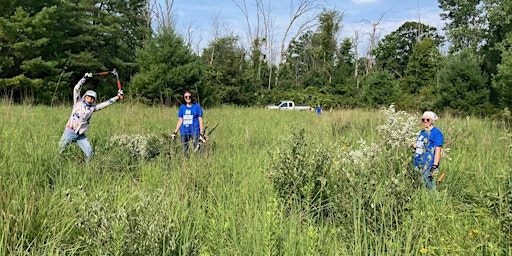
357	16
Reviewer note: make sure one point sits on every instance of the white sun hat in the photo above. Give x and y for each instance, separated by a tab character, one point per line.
90	93
430	114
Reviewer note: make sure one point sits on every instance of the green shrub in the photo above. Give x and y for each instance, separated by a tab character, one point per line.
328	180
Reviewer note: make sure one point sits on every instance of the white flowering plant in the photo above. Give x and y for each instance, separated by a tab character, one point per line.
400	127
139	146
328	177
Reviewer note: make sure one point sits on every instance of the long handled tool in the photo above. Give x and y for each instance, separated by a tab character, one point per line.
206	125
113	72
441	177
118	82
200	143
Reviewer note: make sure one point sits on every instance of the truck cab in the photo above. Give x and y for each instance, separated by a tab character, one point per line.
288	105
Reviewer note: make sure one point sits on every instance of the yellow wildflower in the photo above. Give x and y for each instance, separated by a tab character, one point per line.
475	231
424	250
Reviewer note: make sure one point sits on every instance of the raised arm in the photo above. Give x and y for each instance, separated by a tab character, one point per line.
76	91
110	101
105	104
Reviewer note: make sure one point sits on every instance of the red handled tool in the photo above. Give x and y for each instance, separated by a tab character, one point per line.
113	72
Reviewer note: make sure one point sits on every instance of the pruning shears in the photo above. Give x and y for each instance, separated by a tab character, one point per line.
113	72
200	143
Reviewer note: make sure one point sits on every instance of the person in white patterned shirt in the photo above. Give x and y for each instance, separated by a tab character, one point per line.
78	123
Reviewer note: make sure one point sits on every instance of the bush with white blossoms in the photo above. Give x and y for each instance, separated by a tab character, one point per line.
141	146
323	180
400	128
330	180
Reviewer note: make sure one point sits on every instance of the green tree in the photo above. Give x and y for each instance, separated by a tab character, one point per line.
421	70
420	80
380	88
25	44
343	82
462	84
299	58
502	82
329	27
167	69
227	72
483	26
497	37
46	46
311	59
464	23
346	58
392	53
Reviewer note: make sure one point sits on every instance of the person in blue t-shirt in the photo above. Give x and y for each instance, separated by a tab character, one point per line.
319	110
428	147
190	122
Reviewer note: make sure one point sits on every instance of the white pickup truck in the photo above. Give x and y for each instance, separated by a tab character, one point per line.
288	105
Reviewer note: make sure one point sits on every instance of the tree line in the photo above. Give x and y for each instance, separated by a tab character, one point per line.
46	46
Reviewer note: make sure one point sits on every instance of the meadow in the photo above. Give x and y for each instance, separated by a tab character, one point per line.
266	183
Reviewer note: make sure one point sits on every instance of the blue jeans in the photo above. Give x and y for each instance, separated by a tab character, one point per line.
70	136
428	180
185	140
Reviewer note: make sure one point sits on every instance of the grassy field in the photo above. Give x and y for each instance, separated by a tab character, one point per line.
267	183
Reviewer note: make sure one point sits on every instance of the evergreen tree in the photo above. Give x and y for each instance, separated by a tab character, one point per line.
46	46
462	84
380	88
419	83
343	82
168	68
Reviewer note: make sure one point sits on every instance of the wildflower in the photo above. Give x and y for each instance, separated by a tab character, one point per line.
470	233
424	250
400	127
143	146
475	231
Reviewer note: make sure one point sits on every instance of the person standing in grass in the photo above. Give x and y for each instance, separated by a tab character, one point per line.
190	122
78	123
428	147
319	110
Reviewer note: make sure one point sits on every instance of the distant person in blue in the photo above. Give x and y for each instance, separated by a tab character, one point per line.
319	110
190	122
428	147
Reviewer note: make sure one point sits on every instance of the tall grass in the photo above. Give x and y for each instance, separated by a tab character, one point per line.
225	201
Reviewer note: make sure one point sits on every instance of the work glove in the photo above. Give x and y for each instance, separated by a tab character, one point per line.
202	138
173	136
434	170
120	93
88	75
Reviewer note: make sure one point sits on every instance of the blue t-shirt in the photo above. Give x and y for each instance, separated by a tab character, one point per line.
426	144
190	117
